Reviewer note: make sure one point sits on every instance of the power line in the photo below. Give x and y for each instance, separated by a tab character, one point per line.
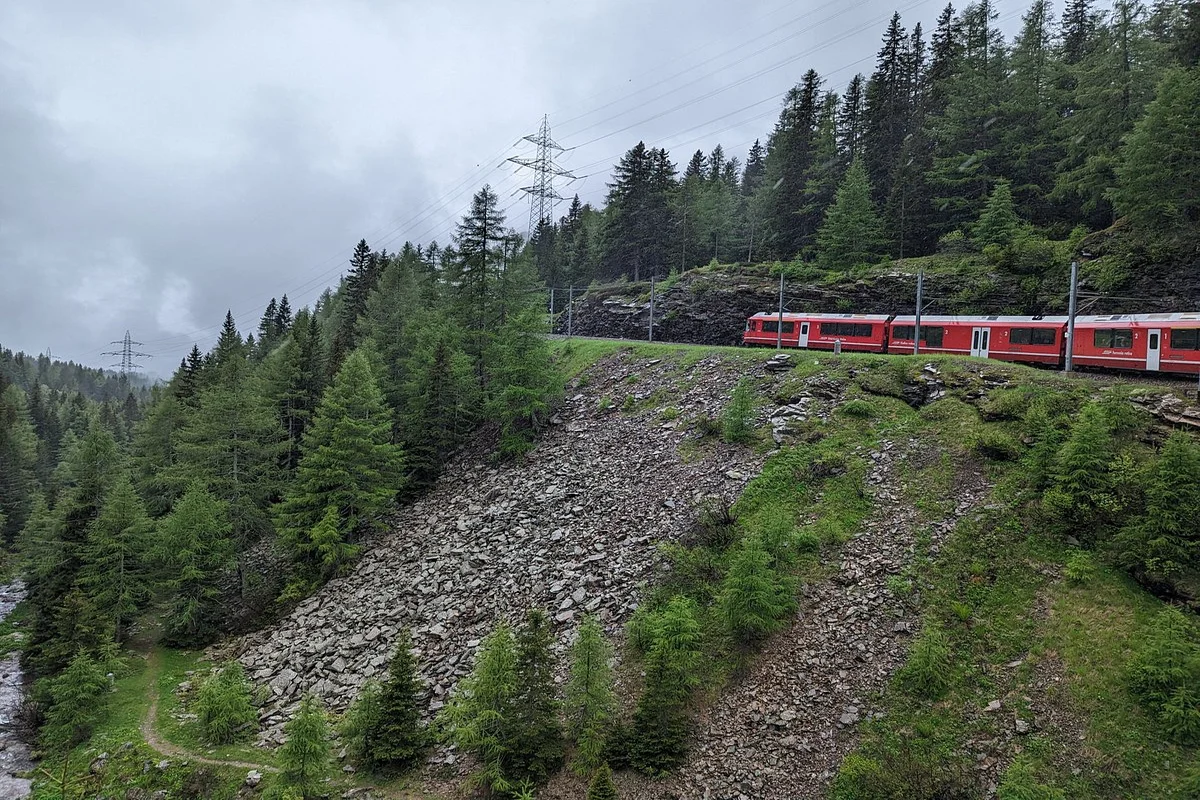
542	196
127	354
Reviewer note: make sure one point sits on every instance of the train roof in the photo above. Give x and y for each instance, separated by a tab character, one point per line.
794	315
965	320
1138	320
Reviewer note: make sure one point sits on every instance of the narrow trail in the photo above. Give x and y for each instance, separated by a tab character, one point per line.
150	735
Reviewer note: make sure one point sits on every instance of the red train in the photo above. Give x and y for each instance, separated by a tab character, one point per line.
1142	342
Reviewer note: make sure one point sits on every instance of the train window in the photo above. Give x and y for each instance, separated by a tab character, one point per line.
1185	339
902	332
773	326
1019	335
930	336
846	329
1043	336
1117	338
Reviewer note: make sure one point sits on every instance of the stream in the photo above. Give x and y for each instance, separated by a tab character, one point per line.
15	755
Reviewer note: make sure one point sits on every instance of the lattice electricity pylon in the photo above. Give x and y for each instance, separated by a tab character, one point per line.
127	354
542	196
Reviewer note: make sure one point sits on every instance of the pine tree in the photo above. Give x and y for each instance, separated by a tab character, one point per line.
397	739
114	573
1165	542
224	706
360	281
850	121
590	701
440	399
852	233
476	716
535	743
521	382
789	156
639	214
1160	170
478	238
601	787
77	704
888	109
18	457
660	722
348	463
1081	474
999	223
360	724
305	756
825	173
230	350
755	598
195	546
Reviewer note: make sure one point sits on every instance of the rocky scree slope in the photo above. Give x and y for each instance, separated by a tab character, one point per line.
574	529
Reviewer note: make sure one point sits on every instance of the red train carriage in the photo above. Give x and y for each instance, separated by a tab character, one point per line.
1029	340
860	332
1150	342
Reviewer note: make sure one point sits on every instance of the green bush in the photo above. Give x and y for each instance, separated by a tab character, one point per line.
901	771
955	243
1007	404
927	671
1019	783
224	705
1165	674
860	409
1081	567
736	420
755	598
994	444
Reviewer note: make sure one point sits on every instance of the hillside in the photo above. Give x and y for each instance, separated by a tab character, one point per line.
709	305
910	515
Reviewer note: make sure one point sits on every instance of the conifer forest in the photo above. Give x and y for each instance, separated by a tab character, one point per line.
152	523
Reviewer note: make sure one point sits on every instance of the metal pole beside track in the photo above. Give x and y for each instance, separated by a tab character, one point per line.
570	309
779	324
652	308
917	328
552	309
1068	365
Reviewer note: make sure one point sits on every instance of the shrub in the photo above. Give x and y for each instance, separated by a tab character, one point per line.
755	598
736	419
1019	783
77	696
1081	567
994	444
224	706
860	409
955	243
926	673
901	771
601	787
1165	673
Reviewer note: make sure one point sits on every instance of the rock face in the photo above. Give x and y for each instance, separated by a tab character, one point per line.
575	530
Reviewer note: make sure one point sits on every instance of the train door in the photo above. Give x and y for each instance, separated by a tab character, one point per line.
803	335
980	341
1153	349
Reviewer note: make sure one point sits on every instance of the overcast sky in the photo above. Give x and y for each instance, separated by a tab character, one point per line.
164	160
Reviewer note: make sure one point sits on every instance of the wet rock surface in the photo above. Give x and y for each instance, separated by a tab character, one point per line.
575	529
15	754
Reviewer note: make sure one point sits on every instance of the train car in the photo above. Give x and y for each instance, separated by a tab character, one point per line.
1145	342
1028	340
856	332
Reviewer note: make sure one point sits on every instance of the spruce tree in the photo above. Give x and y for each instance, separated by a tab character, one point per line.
441	399
998	224
521	381
77	703
224	705
601	787
115	571
789	157
360	724
1082	480
535	743
1164	543
349	464
305	756
476	716
1159	169
590	701
18	457
852	234
755	598
194	547
660	722
398	739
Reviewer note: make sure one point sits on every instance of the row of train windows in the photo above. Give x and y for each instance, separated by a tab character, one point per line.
846	329
932	337
773	327
1118	338
1032	336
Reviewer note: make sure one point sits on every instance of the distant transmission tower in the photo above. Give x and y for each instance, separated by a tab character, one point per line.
127	355
542	197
